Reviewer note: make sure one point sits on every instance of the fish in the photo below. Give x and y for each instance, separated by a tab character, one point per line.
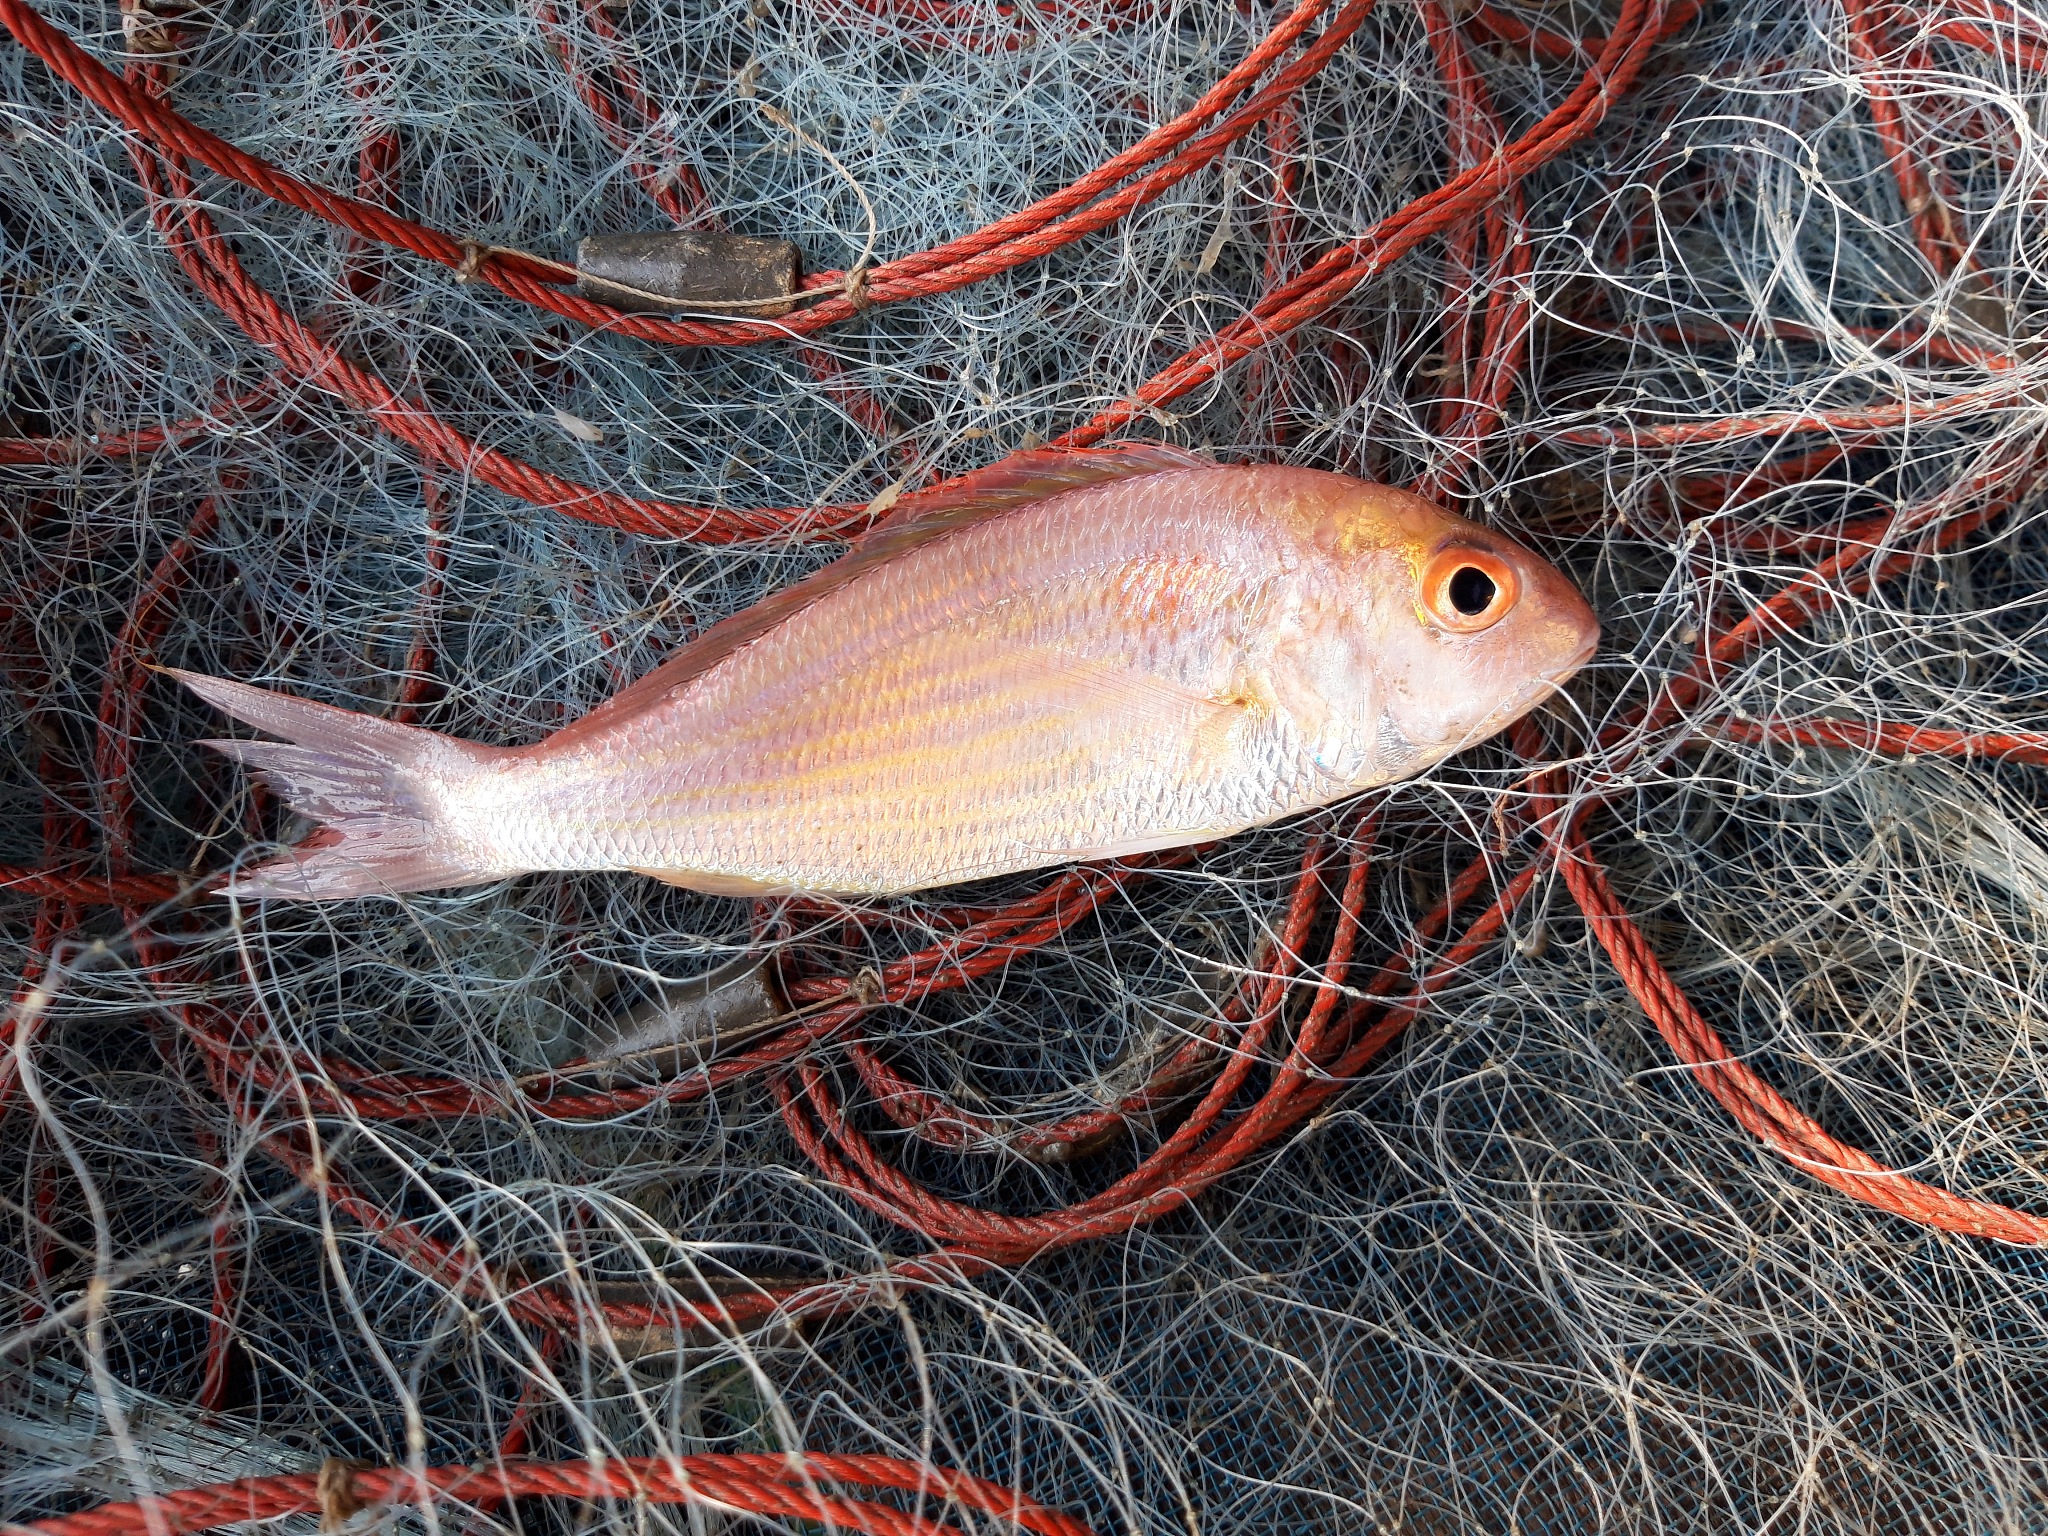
1071	656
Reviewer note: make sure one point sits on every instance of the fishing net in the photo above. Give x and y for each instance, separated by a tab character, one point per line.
1637	1124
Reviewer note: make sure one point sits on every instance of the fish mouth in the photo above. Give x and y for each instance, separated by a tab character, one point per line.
1544	687
1549	684
1562	673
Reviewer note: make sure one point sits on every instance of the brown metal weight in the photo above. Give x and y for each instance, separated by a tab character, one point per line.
662	273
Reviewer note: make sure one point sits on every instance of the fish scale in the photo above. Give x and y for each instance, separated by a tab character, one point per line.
930	737
1075	656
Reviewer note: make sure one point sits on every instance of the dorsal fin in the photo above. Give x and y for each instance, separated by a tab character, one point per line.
1030	476
1017	481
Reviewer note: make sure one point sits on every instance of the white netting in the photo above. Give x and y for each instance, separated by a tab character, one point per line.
1527	1275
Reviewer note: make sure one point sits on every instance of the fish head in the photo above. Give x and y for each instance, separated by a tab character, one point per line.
1450	631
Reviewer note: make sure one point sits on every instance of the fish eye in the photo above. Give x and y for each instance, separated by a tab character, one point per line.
1471	590
1466	590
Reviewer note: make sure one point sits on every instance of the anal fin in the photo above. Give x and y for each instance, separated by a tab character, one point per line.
711	884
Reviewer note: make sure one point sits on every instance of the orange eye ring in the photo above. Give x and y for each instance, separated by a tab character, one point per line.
1465	590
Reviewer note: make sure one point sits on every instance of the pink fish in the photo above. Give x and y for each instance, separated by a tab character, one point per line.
1072	656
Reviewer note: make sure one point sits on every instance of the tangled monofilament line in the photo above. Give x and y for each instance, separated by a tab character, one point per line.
1729	314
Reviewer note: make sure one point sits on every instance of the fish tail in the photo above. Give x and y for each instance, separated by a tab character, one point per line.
379	790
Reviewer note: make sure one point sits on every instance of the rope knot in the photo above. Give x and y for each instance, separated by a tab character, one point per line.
335	1489
866	987
856	287
153	28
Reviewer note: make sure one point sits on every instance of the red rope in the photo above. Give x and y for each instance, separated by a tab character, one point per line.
1342	271
1478	212
87	889
121	445
795	1486
1757	1106
1479	361
1174	152
1933	227
1011	241
2029	747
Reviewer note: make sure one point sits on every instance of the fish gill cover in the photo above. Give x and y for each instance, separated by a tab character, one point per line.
1637	1124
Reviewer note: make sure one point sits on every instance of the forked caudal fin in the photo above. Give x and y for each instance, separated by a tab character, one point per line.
380	792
